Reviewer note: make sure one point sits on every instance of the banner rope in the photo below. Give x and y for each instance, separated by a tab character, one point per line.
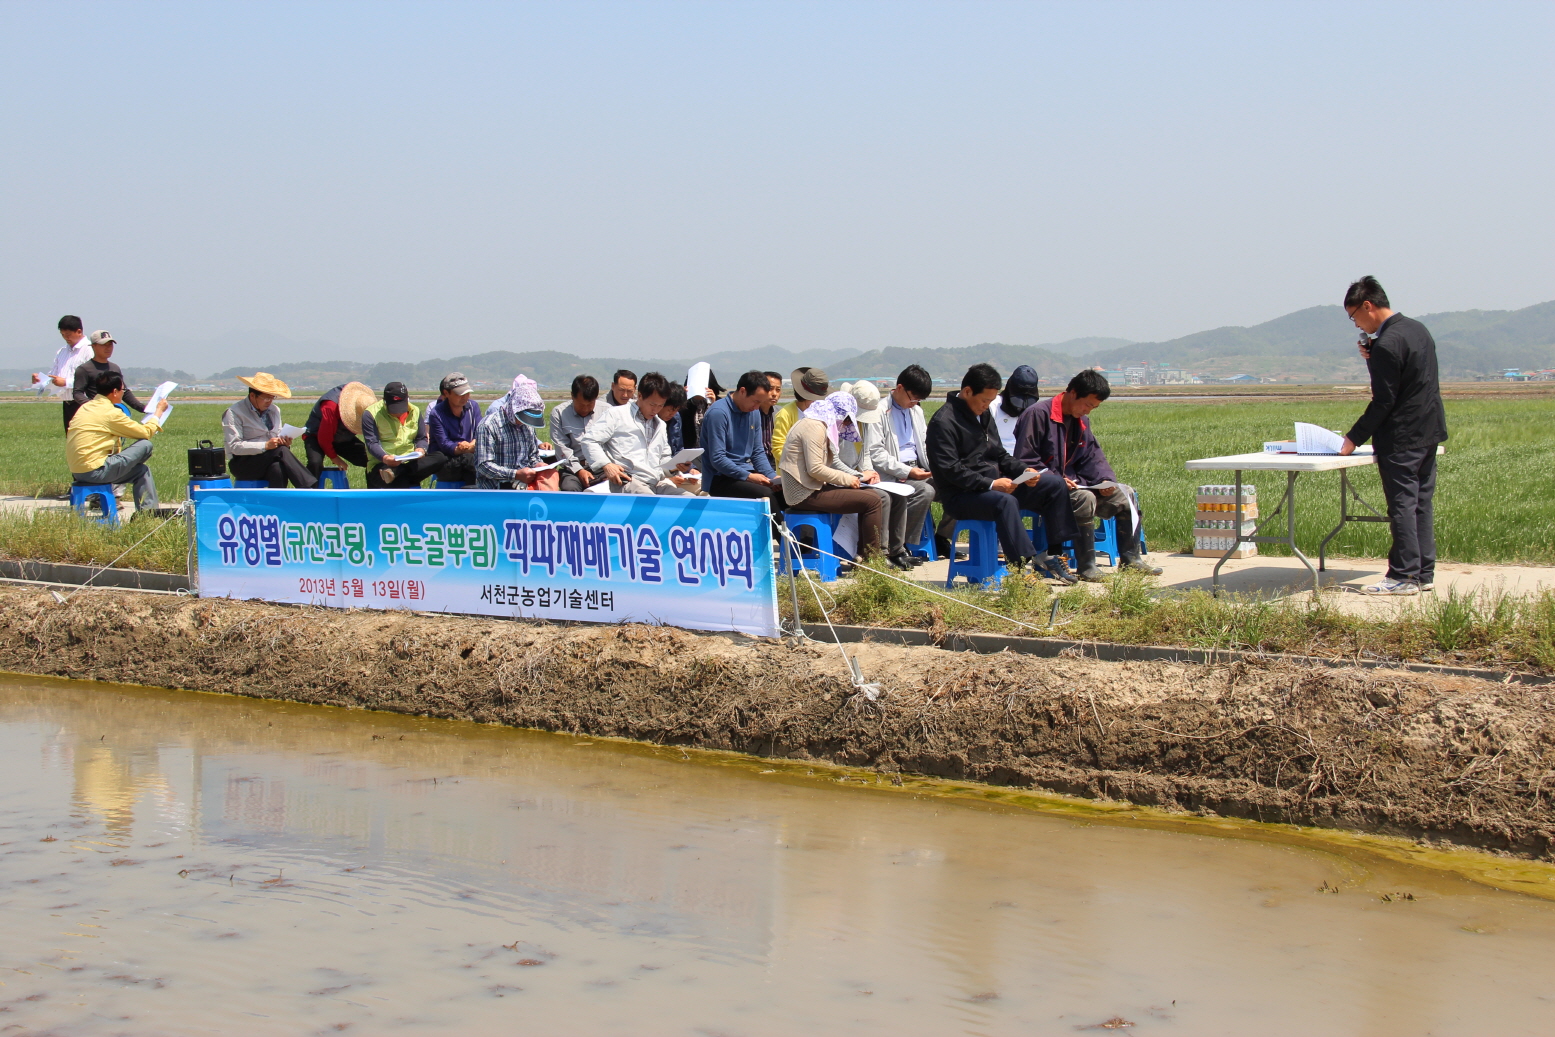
63	598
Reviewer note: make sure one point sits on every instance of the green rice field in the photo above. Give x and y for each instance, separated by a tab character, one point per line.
1495	498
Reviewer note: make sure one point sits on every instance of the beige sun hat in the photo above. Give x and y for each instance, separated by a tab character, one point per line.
868	398
354	399
268	384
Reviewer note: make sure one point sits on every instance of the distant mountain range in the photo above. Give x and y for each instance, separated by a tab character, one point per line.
1316	344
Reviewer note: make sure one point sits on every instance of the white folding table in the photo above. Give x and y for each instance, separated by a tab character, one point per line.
1292	465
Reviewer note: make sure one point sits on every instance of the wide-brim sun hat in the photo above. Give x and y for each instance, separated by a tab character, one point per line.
267	383
355	398
868	397
810	383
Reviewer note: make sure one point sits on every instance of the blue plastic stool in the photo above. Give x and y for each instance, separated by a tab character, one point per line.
333	477
1035	530
446	484
218	482
251	484
925	548
982	564
824	564
80	493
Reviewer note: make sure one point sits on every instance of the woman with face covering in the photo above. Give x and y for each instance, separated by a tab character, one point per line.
813	479
1019	393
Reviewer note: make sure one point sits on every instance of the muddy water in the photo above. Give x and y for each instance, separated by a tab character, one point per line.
177	863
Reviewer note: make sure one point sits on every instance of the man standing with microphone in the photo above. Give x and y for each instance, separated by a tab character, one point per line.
1407	421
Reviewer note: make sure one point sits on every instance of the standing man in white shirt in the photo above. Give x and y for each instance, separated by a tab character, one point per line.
627	446
62	374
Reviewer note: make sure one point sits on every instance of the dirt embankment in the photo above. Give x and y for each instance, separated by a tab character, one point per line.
1454	758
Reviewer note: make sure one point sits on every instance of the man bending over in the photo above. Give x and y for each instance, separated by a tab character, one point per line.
974	476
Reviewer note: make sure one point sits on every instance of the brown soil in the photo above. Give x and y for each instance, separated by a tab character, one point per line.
1449	758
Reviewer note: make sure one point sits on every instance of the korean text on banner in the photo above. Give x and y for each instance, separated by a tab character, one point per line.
704	563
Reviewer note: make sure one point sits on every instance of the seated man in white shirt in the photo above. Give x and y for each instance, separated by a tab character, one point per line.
627	446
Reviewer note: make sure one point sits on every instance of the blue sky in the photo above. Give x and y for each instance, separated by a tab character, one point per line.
663	180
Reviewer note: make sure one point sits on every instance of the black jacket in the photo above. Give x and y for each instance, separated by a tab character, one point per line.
964	451
1406	401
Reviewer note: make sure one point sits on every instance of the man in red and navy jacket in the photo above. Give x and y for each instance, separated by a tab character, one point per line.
1055	436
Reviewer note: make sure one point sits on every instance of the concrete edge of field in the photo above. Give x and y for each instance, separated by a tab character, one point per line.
1433	756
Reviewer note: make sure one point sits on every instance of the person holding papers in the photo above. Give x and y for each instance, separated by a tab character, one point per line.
736	456
61	376
258	443
974	475
1056	437
1406	421
507	451
628	448
451	424
568	423
907	498
394	431
814	481
92	444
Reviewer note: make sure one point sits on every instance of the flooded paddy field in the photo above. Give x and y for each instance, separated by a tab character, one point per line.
184	863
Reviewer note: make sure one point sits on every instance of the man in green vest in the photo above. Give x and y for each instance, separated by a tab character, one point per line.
395	432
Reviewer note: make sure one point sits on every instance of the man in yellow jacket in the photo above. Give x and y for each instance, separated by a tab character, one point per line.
92	444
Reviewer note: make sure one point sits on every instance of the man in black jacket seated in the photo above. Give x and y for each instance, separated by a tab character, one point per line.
1407	421
973	475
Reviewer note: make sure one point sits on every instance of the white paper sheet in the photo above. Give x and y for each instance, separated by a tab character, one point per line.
697	377
600	485
1315	439
408	457
1026	477
687	455
292	431
45	385
845	537
901	489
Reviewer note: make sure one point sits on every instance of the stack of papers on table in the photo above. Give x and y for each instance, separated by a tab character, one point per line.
1314	439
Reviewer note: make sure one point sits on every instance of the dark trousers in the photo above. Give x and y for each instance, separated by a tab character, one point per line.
1048	496
744	488
1409	484
1090	506
837	500
458	468
408	474
71	406
277	467
347	448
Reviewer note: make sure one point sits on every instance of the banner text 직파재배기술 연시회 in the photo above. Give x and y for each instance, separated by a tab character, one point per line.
699	562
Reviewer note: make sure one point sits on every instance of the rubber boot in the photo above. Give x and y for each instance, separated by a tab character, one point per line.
1085	557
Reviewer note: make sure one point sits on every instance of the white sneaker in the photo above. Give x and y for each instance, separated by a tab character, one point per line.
1402	588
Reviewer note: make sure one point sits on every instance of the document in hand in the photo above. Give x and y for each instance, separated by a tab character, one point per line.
1025	477
45	384
408	457
1314	439
600	485
290	431
687	455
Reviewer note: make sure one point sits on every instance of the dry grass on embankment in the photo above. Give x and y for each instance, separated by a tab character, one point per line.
1450	758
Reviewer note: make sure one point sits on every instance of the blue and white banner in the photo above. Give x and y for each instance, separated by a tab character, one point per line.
699	562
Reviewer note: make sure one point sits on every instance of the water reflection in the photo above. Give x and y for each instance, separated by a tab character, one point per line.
227	865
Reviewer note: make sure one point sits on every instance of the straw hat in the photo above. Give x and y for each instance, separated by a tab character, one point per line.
268	384
868	397
354	399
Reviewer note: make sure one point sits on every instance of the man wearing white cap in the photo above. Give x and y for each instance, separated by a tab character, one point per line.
97	365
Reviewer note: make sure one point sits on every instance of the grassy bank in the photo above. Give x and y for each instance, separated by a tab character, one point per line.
1486	629
1495	497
